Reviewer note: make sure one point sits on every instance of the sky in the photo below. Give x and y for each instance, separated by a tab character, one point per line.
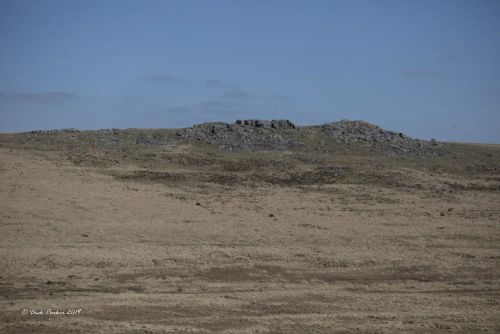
430	69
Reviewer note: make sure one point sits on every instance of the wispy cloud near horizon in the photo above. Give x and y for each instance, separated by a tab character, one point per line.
40	97
215	83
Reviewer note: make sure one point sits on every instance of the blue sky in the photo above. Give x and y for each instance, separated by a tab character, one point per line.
427	68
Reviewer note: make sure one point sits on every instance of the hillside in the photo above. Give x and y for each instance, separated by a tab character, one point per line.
250	227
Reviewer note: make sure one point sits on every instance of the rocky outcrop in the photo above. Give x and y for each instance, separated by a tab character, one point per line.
55	131
245	134
258	135
274	124
349	132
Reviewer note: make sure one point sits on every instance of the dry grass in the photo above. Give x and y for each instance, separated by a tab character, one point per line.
186	238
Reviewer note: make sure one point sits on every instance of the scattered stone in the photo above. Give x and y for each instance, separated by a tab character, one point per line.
154	140
271	215
245	135
255	135
56	131
349	132
274	124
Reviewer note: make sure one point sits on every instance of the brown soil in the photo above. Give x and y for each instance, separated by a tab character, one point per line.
226	246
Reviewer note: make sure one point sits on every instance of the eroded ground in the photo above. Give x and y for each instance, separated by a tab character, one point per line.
178	250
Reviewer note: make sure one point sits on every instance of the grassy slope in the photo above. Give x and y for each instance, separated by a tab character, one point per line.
470	165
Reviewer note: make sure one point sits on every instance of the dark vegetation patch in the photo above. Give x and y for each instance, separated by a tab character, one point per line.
154	176
474	186
332	274
321	176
